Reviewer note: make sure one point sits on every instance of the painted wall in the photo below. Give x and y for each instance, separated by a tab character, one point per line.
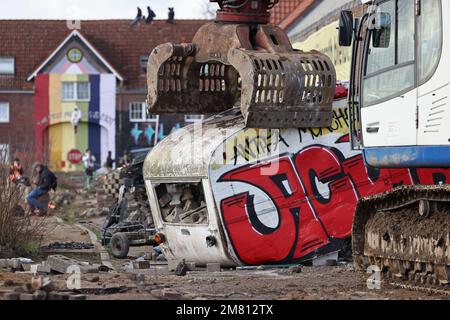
326	40
285	196
54	133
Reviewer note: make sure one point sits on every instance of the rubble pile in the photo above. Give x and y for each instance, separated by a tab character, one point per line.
107	189
182	203
70	246
40	288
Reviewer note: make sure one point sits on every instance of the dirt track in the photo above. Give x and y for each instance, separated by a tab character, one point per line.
311	283
157	283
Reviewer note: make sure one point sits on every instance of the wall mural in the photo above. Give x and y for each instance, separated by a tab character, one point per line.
305	206
64	126
142	134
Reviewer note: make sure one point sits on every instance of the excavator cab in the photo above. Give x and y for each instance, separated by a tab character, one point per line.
399	113
241	58
399	87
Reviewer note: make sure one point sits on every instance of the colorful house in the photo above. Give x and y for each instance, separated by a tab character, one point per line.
75	104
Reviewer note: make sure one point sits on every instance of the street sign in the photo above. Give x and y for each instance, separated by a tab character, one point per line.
74	156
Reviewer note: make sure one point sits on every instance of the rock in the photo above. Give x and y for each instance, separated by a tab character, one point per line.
141	265
157	293
12	296
54	296
64	296
89	213
43	269
78	297
93	279
26	296
9	283
20	290
60	264
213	267
181	269
170	294
296	269
331	263
3	263
14	264
40	295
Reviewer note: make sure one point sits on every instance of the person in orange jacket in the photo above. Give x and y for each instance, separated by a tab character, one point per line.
15	171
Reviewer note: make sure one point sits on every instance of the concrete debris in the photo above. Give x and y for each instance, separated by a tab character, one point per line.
170	294
77	297
323	260
89	213
16	264
40	288
9	283
331	263
93	279
141	264
213	267
60	264
296	269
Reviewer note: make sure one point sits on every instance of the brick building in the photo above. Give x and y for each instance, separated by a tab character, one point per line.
53	78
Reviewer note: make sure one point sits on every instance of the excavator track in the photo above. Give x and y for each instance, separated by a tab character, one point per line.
405	232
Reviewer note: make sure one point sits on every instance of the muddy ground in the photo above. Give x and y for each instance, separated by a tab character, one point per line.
68	223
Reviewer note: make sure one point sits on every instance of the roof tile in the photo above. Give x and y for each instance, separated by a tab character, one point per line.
32	41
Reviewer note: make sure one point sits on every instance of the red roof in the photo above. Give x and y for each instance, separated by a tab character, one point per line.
282	10
31	42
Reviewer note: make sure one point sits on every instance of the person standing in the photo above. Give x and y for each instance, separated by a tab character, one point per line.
126	159
89	167
109	161
46	181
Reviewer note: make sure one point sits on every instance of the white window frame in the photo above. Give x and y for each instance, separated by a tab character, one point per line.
7	120
193	118
75	92
12	60
145	116
4	153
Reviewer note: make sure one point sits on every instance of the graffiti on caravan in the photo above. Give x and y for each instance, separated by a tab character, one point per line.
314	193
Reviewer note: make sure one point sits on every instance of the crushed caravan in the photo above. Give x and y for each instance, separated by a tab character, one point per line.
223	193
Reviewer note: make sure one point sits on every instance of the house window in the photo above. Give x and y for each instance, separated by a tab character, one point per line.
143	61
4	153
138	113
7	65
4	112
75	91
191	118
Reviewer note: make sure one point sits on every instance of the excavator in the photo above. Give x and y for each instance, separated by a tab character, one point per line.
399	117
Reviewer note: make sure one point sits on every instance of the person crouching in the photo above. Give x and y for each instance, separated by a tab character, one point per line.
46	181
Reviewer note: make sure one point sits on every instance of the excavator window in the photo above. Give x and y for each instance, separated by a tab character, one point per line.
391	70
430	37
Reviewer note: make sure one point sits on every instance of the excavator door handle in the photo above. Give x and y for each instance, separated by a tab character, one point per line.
373	128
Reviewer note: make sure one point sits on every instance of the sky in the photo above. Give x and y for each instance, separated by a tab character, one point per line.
99	9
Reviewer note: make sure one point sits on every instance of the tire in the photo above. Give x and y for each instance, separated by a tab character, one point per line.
120	245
